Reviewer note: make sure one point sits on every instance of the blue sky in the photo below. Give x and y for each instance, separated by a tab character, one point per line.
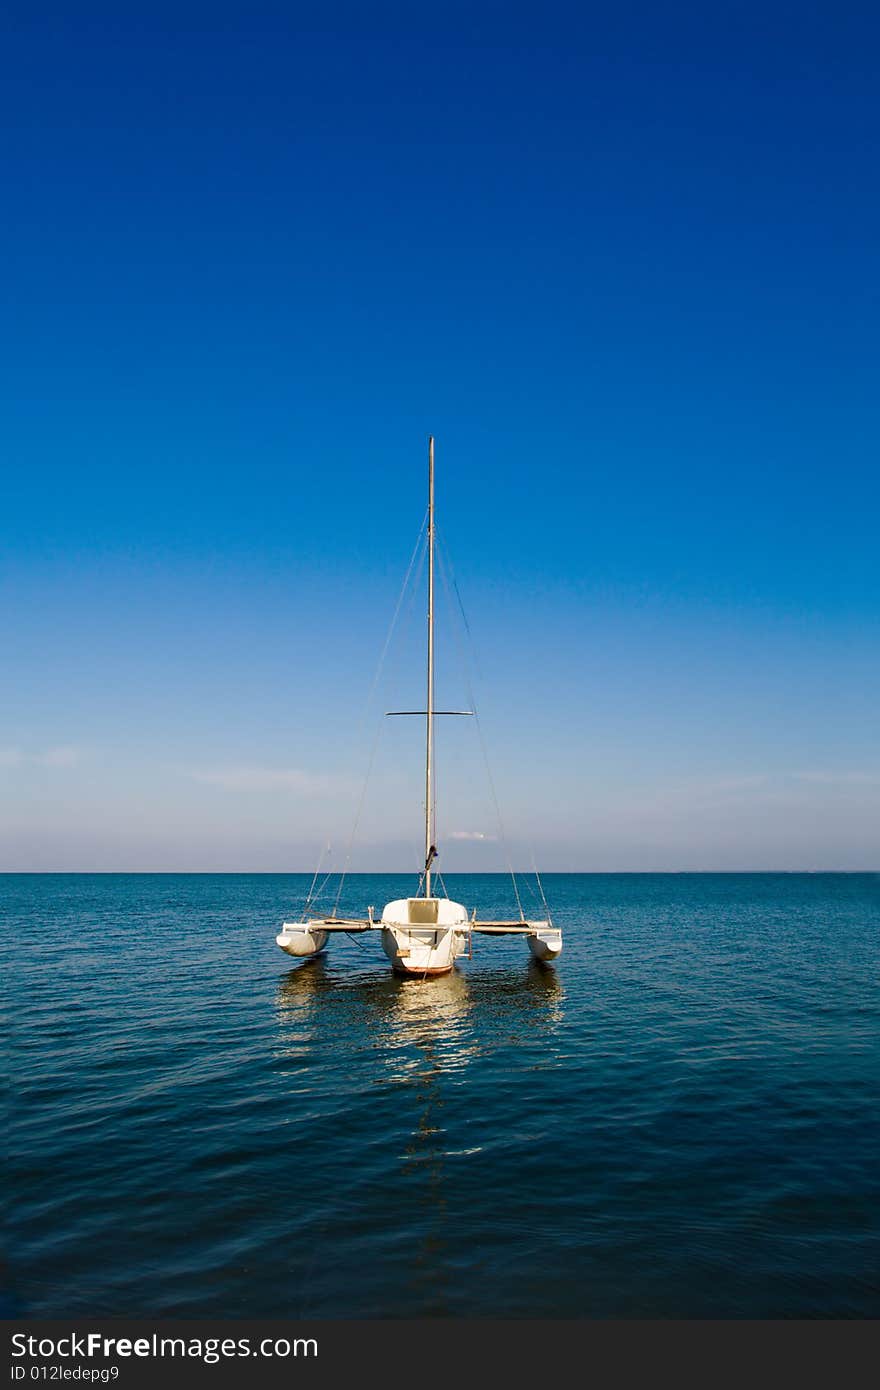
623	265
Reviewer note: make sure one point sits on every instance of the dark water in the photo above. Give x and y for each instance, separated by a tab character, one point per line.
680	1120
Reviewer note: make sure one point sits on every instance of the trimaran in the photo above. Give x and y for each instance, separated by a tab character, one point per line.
424	935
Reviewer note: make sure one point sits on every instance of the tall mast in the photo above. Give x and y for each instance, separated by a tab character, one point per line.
429	723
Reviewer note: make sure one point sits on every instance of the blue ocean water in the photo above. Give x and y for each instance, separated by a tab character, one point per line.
680	1119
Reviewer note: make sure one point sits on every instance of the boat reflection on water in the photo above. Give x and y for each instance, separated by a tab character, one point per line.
453	1030
457	1016
427	1021
299	994
533	1000
333	1014
435	1041
417	1046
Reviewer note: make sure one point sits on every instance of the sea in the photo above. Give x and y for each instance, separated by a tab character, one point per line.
679	1119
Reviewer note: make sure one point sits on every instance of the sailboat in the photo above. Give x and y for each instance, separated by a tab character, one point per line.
423	936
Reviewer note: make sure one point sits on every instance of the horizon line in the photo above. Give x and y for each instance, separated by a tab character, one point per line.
413	873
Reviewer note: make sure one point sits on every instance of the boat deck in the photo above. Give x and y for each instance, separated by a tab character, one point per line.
488	928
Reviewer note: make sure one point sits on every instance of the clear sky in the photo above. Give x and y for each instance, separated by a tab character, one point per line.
622	260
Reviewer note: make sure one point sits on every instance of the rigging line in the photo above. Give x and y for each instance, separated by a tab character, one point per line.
441	545
483	749
328	875
315	879
396	614
417	856
531	890
357	819
541	887
416	549
522	915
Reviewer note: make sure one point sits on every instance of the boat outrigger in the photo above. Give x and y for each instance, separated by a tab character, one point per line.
423	935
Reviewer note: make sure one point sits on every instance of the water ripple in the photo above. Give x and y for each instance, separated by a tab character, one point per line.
680	1120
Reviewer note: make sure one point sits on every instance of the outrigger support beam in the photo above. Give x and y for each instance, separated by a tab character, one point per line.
508	928
346	924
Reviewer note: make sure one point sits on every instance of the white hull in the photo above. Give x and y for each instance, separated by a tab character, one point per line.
301	939
414	952
546	944
424	936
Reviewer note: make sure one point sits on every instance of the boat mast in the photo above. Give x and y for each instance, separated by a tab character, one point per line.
429	722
